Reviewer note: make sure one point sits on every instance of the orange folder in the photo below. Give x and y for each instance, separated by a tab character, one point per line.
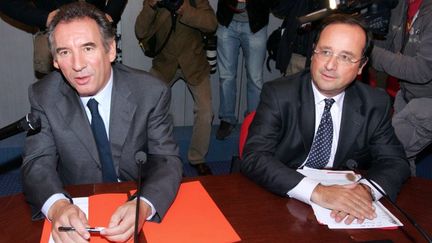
193	217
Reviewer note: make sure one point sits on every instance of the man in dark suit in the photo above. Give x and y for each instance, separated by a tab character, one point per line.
286	132
133	107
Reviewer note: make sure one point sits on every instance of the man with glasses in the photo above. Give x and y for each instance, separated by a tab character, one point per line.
323	118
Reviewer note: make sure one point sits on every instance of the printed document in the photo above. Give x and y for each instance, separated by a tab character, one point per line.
384	219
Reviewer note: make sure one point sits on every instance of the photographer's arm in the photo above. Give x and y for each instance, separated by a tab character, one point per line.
25	12
144	27
202	16
114	8
415	69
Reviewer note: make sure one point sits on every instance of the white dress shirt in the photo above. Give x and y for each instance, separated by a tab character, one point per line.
303	190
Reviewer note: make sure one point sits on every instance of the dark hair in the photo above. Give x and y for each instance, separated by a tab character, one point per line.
80	10
349	20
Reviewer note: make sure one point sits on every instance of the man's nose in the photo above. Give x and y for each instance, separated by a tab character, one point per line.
79	62
332	63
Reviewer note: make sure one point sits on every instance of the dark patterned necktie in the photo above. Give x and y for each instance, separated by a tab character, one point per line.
319	154
103	145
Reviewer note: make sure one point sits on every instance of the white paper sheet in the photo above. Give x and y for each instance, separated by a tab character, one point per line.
384	218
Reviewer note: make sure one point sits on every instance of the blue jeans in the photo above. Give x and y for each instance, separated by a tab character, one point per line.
230	40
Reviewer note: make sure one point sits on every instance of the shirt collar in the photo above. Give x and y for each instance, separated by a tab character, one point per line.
319	98
103	96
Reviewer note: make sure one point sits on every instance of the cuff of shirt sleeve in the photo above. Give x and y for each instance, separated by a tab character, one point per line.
376	195
51	200
153	210
303	190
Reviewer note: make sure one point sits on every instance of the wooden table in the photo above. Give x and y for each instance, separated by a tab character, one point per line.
255	214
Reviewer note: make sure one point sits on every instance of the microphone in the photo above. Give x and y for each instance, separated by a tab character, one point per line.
352	165
140	158
29	122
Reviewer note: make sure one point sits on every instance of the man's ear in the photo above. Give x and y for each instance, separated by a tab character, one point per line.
55	63
362	65
112	51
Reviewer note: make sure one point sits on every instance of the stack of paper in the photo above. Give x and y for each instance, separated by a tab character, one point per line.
384	218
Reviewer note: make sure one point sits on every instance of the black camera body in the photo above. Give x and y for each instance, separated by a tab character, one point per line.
171	5
375	13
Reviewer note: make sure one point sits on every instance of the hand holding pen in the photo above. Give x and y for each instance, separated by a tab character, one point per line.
63	213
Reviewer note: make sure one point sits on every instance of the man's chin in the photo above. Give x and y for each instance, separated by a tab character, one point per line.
85	92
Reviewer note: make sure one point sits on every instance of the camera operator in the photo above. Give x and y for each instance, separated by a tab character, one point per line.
406	54
177	27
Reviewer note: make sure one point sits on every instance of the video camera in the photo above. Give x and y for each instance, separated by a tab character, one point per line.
171	5
375	13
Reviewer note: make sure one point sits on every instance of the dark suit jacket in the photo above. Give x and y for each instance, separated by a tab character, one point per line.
258	12
35	12
64	151
281	135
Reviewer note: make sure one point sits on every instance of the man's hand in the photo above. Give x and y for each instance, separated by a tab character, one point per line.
347	202
122	224
63	213
180	11
152	3
109	17
51	16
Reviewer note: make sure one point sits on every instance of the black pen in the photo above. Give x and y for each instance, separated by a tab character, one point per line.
90	229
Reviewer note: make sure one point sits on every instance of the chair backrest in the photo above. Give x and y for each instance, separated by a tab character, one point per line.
244	130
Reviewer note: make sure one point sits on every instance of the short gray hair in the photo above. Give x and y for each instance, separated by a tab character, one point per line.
81	10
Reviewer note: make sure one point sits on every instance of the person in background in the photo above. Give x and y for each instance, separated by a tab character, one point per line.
182	56
95	118
242	24
406	54
323	118
299	37
39	13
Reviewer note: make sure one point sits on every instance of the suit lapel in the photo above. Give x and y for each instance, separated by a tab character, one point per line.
307	113
351	124
122	112
74	115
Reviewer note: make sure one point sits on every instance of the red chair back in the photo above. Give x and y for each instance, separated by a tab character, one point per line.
244	130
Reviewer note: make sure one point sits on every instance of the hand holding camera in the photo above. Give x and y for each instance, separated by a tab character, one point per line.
171	5
152	3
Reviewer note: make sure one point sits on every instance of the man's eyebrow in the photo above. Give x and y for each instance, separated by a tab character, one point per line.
87	44
342	52
91	44
59	49
324	47
348	53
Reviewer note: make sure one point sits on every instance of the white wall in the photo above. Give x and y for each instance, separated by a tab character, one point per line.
17	71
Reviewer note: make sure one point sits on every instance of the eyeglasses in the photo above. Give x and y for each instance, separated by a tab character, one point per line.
344	59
